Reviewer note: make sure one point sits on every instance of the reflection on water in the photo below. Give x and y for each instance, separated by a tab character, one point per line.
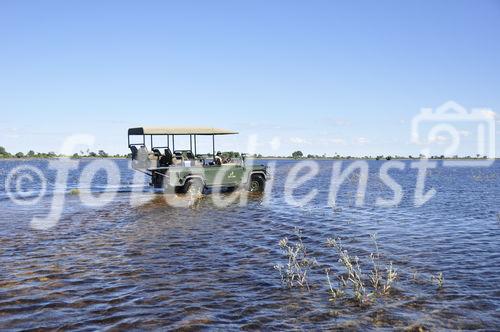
157	266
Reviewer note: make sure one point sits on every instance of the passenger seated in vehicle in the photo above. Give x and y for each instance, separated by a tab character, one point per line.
166	159
218	158
177	158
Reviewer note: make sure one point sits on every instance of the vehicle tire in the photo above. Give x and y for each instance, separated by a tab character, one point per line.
256	184
194	187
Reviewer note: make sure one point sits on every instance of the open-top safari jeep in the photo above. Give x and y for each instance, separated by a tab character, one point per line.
185	170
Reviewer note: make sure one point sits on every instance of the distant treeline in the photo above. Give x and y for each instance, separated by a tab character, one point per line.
82	154
231	154
300	155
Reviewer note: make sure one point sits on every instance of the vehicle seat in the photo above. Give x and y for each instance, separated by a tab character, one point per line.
134	150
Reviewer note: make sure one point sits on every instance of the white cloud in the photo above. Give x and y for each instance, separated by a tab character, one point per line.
11	133
329	141
362	140
341	122
337	141
275	143
337	121
298	140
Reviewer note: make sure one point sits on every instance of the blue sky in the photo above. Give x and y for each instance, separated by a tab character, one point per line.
316	76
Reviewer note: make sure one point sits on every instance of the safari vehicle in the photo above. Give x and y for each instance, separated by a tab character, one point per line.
184	170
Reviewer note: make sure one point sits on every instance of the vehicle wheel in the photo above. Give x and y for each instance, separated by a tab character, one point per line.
194	187
256	184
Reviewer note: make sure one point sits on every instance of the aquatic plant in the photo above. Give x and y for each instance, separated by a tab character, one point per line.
74	191
335	293
439	279
295	273
363	288
353	272
375	277
390	278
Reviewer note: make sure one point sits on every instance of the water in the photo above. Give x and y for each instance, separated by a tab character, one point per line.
156	267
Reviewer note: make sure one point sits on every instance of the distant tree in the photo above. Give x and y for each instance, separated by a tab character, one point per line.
297	155
19	155
2	150
310	156
388	158
231	154
75	156
31	153
51	154
102	154
92	154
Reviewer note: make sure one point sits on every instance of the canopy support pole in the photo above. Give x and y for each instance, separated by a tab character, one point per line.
213	147
173	143
195	145
191	143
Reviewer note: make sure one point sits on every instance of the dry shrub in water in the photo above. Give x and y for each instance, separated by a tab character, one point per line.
354	277
362	288
439	279
353	283
295	272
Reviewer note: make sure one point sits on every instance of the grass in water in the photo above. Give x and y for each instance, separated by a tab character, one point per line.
363	288
352	283
439	279
295	272
353	278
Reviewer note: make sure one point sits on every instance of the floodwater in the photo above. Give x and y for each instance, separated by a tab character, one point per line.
148	265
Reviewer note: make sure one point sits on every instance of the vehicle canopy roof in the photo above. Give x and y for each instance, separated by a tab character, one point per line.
179	131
